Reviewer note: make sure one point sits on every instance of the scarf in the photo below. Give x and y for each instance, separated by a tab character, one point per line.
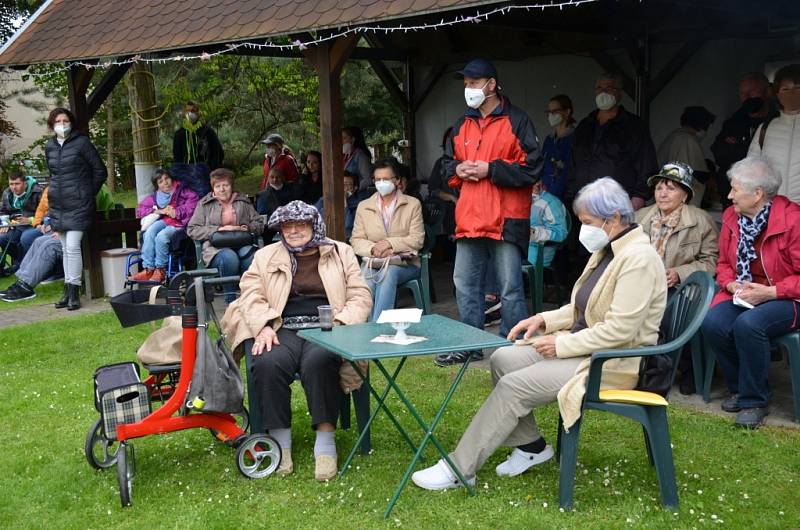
191	142
18	201
749	230
661	229
299	211
162	199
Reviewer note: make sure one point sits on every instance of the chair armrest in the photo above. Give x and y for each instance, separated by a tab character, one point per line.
600	357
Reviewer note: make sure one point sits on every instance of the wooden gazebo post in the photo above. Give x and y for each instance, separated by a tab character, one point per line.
328	59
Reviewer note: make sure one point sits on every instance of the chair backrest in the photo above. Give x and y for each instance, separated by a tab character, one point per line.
685	311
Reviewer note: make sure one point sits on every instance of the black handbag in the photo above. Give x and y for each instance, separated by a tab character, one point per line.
655	374
232	239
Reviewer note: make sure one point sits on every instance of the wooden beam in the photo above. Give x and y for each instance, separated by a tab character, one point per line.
427	85
673	66
104	88
391	83
78	79
328	59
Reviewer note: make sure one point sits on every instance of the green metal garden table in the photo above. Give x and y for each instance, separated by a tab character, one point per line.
443	335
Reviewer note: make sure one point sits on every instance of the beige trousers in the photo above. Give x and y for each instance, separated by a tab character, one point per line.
523	380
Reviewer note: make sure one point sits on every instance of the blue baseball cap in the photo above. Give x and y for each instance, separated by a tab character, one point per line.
479	68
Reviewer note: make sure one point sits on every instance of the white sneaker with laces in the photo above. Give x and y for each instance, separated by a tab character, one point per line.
438	477
520	461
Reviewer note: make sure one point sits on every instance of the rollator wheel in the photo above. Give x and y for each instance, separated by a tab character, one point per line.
101	453
258	456
126	468
242	420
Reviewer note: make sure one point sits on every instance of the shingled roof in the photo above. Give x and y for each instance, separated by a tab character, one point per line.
65	30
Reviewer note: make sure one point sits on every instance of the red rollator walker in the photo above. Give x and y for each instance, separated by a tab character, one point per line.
124	401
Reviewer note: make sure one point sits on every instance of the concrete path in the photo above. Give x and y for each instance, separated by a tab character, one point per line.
40	312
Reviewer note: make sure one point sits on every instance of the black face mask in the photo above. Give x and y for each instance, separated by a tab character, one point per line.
752	105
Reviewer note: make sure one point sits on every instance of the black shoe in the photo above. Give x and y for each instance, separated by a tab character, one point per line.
61	304
459	357
18	292
731	404
492	318
751	418
490	306
74	297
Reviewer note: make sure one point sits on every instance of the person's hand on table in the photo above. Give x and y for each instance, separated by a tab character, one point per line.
755	293
529	326
265	340
546	346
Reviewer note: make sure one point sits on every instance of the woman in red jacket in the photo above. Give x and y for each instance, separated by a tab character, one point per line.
759	276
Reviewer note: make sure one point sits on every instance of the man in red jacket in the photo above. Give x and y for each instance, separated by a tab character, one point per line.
492	157
277	155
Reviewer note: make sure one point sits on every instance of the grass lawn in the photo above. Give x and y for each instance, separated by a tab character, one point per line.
726	476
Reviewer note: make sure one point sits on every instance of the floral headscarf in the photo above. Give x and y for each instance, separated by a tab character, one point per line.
299	211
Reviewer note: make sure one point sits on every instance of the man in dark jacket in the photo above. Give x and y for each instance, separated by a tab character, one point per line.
195	141
734	138
493	159
19	202
612	142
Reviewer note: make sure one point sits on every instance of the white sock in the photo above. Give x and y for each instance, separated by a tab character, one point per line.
325	444
283	437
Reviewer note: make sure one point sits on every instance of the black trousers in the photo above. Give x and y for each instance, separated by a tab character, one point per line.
274	372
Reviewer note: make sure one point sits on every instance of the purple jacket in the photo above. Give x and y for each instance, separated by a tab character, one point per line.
183	200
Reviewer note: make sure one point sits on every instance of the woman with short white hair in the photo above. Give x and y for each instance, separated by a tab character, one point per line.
759	276
618	302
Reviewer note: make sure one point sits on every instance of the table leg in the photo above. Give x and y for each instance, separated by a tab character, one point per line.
380	399
429	436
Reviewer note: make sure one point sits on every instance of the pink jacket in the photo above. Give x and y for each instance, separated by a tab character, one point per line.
779	250
183	200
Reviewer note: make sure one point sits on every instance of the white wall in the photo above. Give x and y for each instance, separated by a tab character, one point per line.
30	122
710	78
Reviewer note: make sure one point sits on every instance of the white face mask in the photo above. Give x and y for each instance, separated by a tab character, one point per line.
384	187
275	187
554	118
271	152
192	116
347	148
593	238
700	135
62	130
605	101
475	96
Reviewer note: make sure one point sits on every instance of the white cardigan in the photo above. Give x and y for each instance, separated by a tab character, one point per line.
782	149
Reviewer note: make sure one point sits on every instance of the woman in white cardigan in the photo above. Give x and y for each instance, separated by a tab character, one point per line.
780	144
618	302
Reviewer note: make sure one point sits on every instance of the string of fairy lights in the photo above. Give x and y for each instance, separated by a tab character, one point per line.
299	45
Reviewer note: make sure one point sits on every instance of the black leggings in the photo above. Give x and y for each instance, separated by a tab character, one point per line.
274	372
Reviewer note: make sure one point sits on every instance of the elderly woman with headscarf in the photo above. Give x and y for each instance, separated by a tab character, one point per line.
759	276
618	302
280	293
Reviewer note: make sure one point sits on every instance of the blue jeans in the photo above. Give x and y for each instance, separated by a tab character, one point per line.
472	258
41	260
18	240
232	262
384	291
740	339
155	245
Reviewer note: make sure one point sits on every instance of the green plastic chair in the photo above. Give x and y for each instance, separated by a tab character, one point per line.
421	287
685	312
533	275
789	342
360	399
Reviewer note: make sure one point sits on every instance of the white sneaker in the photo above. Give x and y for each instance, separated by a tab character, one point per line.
438	477
520	461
